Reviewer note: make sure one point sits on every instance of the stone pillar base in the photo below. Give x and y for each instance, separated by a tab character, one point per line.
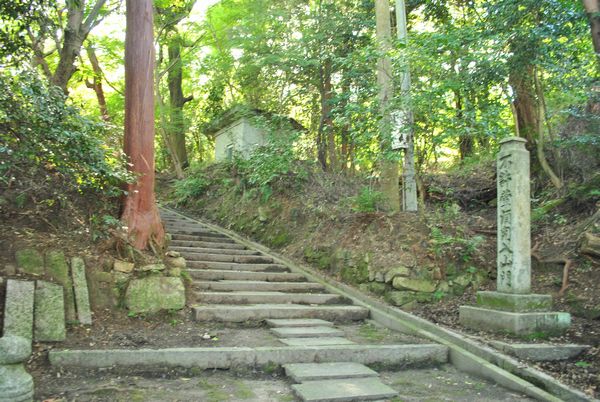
525	315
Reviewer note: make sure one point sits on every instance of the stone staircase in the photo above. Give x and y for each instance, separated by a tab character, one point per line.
235	284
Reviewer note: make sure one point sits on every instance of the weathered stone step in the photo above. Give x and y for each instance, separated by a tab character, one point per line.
177	236
203	244
299	322
249	285
196	232
227	274
213	250
302	372
343	390
234	266
321	341
256	312
229	357
268	298
241	259
307	332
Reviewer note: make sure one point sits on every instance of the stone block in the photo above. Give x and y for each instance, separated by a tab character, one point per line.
14	349
155	293
151	267
299	322
541	351
307	332
354	389
377	288
533	324
417	285
82	296
102	290
394	272
302	372
49	313
18	309
30	261
326	341
58	270
123	266
176	262
16	385
523	303
401	298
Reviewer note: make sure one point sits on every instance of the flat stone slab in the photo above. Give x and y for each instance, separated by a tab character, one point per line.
241	313
18	309
236	286
302	372
518	303
541	351
243	297
324	341
49	315
354	389
520	324
82	296
226	358
195	243
234	266
216	275
299	322
307	332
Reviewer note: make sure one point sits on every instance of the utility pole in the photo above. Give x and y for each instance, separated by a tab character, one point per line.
409	184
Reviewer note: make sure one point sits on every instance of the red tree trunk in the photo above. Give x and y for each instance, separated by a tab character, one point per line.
140	213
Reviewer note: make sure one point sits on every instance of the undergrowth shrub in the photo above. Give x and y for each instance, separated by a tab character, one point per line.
368	200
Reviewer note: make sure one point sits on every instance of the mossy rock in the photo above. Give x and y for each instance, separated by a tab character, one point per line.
377	288
30	261
417	285
155	293
355	275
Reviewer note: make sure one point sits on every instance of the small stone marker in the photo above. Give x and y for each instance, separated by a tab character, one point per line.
16	385
82	296
58	269
49	312
18	310
353	389
512	308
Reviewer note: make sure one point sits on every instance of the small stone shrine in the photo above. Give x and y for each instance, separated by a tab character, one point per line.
512	308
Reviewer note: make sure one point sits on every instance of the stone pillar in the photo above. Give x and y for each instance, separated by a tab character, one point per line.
16	385
513	309
514	234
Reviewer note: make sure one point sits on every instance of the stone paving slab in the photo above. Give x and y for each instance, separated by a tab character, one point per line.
18	308
207	239
324	341
249	285
226	274
214	250
49	314
299	322
82	297
541	351
241	313
236	266
307	332
230	357
302	372
243	297
355	389
220	246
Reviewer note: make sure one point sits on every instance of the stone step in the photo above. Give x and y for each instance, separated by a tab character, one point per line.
323	341
203	244
241	259
227	274
195	232
234	266
208	250
259	286
257	312
268	298
302	372
300	322
307	332
342	390
229	357
177	236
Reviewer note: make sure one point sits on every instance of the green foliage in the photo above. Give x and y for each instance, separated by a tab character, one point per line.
368	200
466	247
191	187
41	134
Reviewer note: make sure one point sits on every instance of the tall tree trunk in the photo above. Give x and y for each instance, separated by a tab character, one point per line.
96	83
525	105
465	141
592	9
389	168
75	33
326	125
177	101
140	213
